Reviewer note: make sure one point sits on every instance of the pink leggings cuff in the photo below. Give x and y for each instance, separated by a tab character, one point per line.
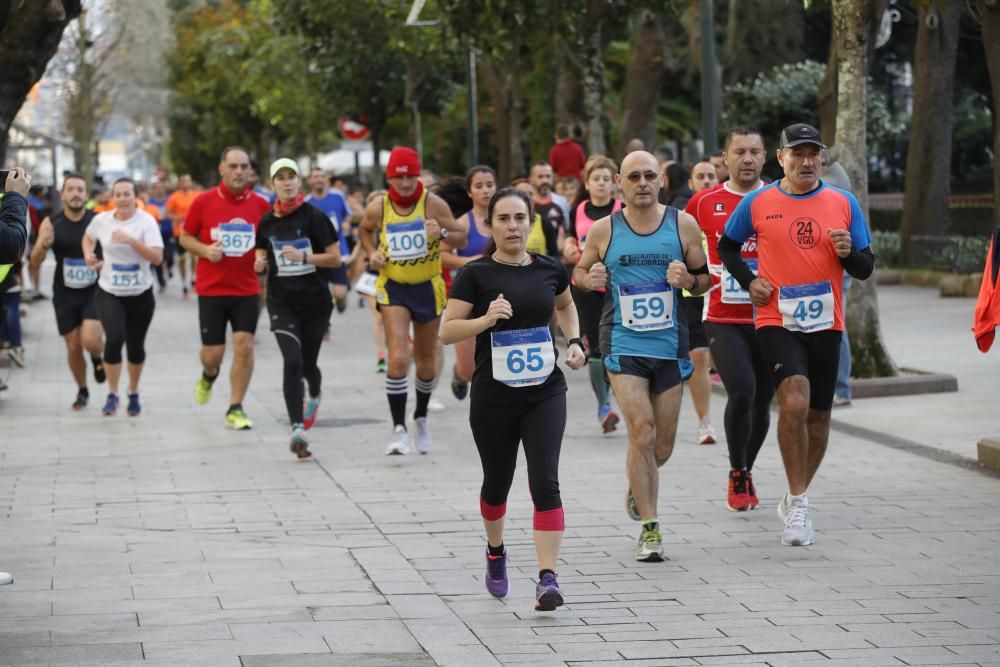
492	512
550	520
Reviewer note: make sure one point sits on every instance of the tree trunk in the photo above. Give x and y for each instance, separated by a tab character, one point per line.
30	37
516	129
593	92
647	65
928	158
412	106
499	99
990	20
851	31
826	98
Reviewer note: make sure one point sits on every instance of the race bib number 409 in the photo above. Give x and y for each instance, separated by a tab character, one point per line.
522	357
77	275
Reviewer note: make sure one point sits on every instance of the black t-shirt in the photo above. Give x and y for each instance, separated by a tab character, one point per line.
308	228
531	291
66	243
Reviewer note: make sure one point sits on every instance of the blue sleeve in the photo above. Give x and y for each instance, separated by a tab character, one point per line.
860	237
342	212
739	227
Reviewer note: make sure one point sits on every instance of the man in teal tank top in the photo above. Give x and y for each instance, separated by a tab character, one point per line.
644	256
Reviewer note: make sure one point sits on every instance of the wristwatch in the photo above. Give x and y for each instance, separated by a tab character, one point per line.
443	232
576	341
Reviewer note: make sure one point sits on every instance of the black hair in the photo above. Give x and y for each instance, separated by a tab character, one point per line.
742	131
125	179
72	174
478	169
677	176
454	193
228	149
504	193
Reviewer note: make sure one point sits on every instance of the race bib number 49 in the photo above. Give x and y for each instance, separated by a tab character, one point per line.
647	305
406	240
806	307
522	357
236	238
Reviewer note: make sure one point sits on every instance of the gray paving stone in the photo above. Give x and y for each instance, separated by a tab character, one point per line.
340	660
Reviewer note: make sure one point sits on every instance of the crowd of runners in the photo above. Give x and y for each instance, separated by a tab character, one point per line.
611	273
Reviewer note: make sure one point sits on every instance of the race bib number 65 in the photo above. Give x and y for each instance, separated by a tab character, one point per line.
522	357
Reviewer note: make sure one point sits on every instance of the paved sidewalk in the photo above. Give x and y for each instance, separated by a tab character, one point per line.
166	539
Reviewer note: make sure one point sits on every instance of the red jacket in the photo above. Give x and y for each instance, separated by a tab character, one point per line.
987	317
567	159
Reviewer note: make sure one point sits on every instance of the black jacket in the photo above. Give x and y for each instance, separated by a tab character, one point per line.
13	230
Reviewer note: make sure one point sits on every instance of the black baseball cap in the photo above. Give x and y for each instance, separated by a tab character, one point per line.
800	133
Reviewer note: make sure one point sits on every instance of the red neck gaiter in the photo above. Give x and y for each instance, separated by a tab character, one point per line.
283	209
228	194
406	202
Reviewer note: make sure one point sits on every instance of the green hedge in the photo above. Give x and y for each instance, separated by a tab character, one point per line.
958	254
965	220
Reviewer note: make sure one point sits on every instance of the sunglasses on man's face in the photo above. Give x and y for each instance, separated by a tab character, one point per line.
636	176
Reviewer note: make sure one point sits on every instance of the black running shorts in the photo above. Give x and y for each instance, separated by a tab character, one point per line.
215	312
814	355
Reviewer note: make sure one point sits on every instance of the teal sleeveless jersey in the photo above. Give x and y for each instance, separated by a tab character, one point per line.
642	315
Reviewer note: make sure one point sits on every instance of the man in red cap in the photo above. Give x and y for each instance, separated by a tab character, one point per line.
401	236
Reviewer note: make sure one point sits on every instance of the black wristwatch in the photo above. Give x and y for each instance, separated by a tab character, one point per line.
576	341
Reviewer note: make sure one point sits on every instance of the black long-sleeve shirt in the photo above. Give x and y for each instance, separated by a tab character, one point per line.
13	227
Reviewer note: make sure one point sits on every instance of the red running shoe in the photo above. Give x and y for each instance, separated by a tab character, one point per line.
737	498
752	491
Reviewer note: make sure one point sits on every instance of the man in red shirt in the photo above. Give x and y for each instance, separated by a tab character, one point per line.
729	323
221	228
566	157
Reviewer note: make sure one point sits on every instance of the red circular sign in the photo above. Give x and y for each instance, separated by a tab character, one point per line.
352	130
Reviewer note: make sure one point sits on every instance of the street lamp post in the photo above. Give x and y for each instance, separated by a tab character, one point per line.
709	101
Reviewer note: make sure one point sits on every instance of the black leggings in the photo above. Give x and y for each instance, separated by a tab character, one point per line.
300	335
750	388
498	428
125	320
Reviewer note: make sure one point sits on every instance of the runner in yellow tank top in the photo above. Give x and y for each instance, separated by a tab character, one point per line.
408	225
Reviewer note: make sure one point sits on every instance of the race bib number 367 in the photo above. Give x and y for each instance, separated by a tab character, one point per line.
236	238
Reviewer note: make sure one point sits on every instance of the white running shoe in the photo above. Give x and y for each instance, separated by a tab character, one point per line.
706	433
5	579
400	443
798	530
423	436
434	405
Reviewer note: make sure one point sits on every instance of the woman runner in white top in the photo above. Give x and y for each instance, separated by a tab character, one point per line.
131	243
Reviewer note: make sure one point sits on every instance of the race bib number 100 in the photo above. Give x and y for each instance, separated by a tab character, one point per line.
806	307
522	357
406	240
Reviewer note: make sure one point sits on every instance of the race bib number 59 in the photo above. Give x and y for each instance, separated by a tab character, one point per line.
647	305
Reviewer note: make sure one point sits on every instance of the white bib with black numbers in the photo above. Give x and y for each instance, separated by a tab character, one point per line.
522	357
77	275
646	305
806	307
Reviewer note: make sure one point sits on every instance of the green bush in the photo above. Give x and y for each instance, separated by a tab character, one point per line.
971	221
958	254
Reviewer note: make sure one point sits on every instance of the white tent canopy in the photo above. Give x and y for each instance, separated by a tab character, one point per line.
342	161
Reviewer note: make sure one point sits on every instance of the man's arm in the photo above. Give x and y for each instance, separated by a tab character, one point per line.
42	245
438	211
692	273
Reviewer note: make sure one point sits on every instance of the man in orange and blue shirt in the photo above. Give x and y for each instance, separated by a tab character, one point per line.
808	234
